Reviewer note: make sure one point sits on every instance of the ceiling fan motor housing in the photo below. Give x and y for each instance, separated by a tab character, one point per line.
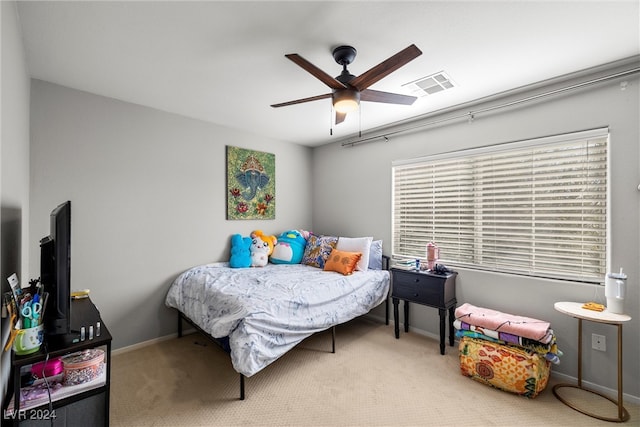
344	55
345	77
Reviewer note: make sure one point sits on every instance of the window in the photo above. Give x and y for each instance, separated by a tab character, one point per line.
536	207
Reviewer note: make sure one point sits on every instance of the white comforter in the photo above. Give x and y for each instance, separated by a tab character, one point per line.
266	311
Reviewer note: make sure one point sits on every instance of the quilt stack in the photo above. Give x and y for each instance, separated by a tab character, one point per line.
511	353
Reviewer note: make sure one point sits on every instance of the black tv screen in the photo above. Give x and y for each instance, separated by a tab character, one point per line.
55	271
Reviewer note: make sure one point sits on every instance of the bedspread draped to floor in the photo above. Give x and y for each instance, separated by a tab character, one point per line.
268	310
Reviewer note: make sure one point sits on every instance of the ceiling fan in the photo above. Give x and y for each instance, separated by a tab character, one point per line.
348	90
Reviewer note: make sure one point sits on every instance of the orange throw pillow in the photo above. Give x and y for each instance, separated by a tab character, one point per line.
342	261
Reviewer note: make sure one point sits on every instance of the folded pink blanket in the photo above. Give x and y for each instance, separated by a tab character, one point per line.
503	322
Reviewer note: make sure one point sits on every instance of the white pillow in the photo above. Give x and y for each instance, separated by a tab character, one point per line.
357	244
375	255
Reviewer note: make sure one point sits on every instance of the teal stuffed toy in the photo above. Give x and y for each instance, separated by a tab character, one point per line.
289	248
240	252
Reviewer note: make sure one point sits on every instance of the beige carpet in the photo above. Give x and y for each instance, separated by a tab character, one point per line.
372	379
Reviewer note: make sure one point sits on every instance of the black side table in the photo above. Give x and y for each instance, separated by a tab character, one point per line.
426	288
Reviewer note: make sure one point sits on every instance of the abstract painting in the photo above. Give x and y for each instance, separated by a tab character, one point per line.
251	184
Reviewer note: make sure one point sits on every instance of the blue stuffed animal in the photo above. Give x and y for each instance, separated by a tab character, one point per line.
289	248
240	252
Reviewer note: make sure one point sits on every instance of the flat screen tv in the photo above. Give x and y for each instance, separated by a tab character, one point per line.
55	271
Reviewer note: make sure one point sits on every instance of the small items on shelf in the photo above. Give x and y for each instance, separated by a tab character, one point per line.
406	264
37	394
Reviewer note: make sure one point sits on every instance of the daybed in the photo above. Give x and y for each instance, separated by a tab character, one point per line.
258	314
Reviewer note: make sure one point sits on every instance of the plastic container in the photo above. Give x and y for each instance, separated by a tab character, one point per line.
83	366
614	290
51	368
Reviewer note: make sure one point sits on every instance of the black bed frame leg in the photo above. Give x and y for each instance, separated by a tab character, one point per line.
385	266
179	325
333	350
386	312
241	387
333	339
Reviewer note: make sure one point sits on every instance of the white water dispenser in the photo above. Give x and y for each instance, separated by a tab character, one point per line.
615	287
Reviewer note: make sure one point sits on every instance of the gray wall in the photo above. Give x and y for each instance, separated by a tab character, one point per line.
364	208
148	198
14	161
14	180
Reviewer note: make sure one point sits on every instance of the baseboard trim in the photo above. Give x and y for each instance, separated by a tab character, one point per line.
147	343
627	398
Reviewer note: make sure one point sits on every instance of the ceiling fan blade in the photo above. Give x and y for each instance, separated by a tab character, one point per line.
386	97
300	101
315	71
340	117
385	68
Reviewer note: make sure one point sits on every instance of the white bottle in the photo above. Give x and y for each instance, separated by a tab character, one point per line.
614	290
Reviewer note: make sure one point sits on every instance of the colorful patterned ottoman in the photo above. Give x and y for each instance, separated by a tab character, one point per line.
510	368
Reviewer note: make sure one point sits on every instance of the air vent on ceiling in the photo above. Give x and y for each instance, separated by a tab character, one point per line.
430	84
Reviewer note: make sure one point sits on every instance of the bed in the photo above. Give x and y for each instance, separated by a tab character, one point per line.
258	314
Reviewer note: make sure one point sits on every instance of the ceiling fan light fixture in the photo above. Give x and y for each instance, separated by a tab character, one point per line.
346	100
347	90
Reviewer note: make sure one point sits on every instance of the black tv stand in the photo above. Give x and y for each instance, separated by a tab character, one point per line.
84	405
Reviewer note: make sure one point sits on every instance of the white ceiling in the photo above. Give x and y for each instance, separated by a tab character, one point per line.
223	62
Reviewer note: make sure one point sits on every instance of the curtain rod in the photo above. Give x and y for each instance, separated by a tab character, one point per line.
472	113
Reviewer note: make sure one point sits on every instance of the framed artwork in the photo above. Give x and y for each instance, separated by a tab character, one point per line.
251	184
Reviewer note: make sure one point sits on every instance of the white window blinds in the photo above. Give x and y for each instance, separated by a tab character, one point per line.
534	207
